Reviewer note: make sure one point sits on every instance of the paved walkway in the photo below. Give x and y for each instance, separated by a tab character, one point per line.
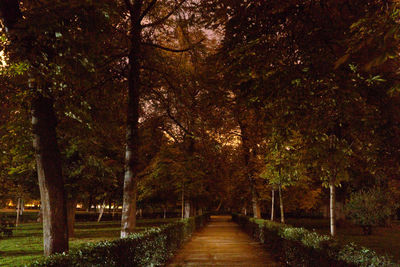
222	243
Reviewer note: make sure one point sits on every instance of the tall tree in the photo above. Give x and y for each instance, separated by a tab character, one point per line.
48	49
47	154
144	17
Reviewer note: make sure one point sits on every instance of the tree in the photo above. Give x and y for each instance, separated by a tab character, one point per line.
370	207
283	164
47	49
280	56
137	10
47	153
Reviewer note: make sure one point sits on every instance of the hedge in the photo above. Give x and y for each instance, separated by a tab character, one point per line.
152	247
300	247
26	217
92	216
32	216
6	226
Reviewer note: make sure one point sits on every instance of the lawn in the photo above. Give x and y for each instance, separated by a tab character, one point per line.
384	240
26	243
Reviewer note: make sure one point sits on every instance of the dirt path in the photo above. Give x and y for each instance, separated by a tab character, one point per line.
222	243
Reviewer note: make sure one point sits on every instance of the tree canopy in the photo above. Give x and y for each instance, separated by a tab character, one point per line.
208	105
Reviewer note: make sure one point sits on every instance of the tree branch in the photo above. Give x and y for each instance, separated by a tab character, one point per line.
10	12
172	49
159	21
178	123
169	114
170	135
147	10
129	5
167	108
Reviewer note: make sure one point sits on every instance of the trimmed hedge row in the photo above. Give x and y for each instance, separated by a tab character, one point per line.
92	216
152	247
32	216
26	217
6	226
301	247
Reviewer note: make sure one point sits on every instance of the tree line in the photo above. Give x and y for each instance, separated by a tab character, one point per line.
196	104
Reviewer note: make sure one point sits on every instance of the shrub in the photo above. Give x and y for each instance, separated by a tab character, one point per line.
93	216
152	247
368	208
26	217
301	247
6	226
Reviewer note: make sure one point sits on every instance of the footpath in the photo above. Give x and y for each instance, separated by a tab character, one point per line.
222	243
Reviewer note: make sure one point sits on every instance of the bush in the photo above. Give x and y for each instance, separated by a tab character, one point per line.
368	208
301	247
26	217
6	226
152	247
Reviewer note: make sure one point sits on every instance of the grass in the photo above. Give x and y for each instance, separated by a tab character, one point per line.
384	240
26	244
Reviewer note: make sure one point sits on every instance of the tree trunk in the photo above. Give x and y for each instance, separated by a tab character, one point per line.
187	209
71	210
183	201
109	206
21	207
281	205
115	207
89	203
17	210
219	205
51	184
256	206
101	211
40	215
272	204
192	209
332	207
128	219
249	167
165	212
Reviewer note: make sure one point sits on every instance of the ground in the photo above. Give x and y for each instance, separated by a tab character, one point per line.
384	240
26	243
222	243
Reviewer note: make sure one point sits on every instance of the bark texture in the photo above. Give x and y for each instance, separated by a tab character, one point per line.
332	208
128	220
272	204
71	210
246	150
255	204
18	211
187	209
101	211
183	201
48	161
281	205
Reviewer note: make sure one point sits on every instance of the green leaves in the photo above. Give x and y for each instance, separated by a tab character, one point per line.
370	207
151	247
15	69
298	246
283	159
